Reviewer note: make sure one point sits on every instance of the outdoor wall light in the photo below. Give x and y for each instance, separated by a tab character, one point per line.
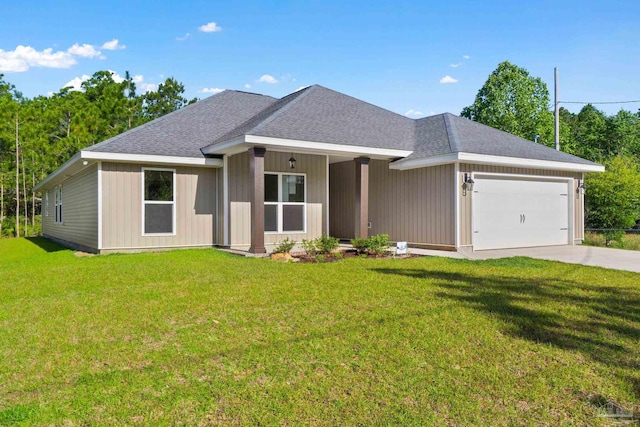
292	162
467	183
581	187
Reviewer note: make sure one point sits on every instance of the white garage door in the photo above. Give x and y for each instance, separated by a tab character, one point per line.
516	213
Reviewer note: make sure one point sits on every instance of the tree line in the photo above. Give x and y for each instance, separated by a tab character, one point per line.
514	101
37	135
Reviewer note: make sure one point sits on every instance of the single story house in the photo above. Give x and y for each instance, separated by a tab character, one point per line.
245	171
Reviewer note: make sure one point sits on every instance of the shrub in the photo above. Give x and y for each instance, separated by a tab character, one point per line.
361	245
285	246
376	245
325	244
379	244
309	246
338	255
320	258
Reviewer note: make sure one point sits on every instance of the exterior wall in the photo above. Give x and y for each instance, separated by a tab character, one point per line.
315	168
465	201
416	206
342	199
195	195
79	211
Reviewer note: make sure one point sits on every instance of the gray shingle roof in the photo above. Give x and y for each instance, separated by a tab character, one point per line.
319	114
183	132
447	133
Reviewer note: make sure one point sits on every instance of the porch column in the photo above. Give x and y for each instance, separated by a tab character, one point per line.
362	197
256	172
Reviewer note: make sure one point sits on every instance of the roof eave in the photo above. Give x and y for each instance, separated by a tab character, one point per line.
486	159
243	143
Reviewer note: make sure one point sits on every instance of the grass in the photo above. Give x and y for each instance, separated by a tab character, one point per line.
200	337
627	241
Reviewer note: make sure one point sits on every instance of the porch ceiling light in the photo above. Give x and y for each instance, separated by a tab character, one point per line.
292	162
467	184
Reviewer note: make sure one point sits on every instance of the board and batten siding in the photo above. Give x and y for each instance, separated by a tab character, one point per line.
315	168
465	201
195	196
416	206
79	211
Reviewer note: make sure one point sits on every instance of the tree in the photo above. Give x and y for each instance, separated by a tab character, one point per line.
166	99
613	197
625	132
515	102
591	137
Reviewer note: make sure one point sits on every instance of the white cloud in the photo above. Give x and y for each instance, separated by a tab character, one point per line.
84	51
211	27
456	65
414	113
247	86
466	56
138	79
24	57
431	113
113	45
147	87
267	78
76	83
300	88
211	90
183	38
448	79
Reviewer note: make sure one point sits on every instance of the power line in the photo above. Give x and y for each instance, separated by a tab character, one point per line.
602	102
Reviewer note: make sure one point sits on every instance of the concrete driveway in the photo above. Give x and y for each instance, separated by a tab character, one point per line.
586	255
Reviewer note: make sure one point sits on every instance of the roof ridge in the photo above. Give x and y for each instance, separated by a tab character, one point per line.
299	94
365	102
233	133
452	133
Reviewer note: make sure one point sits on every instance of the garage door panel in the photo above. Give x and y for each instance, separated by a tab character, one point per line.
509	213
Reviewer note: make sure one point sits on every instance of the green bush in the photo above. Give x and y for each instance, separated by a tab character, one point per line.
285	246
361	245
379	244
375	245
325	244
309	246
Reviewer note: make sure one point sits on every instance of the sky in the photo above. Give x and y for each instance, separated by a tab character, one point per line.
415	58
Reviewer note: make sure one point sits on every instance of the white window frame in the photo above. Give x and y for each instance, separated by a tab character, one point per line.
59	212
157	202
46	203
280	204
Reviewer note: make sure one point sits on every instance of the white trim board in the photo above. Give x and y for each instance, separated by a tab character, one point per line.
237	145
493	160
148	158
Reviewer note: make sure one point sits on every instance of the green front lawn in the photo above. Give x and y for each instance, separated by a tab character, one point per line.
201	337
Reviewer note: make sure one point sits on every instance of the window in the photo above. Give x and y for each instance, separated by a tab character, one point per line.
58	204
284	203
158	204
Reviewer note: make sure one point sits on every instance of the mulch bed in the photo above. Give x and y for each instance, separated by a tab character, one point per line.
333	257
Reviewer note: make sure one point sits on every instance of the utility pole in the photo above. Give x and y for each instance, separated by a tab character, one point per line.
17	180
556	110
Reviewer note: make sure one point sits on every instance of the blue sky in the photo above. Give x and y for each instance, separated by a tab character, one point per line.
392	54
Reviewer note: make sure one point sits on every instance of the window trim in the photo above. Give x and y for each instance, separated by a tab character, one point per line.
58	216
280	204
46	203
144	203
